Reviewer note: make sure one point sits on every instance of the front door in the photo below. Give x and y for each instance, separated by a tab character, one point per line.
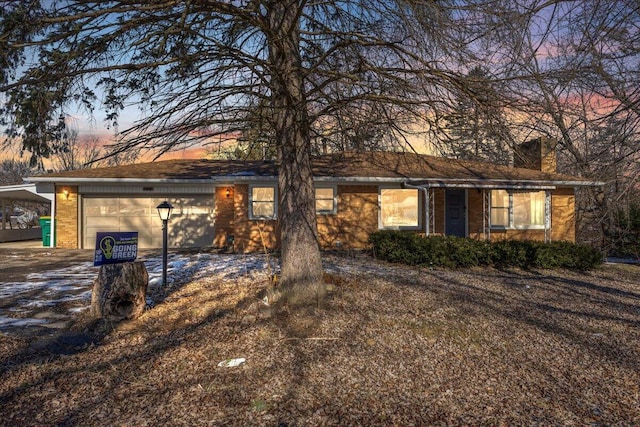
455	219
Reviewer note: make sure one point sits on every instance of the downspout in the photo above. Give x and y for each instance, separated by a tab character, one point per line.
484	214
427	213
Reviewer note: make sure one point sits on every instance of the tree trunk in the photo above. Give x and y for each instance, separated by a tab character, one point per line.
301	275
119	291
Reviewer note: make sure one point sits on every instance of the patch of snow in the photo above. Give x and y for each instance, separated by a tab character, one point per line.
72	285
6	322
627	260
244	173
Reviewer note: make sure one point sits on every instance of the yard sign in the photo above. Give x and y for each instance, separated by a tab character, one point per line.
112	248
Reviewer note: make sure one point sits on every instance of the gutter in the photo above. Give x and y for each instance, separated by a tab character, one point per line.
499	184
414	182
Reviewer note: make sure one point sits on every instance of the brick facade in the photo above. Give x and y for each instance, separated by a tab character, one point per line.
66	217
349	228
224	215
250	235
563	215
476	222
356	218
537	154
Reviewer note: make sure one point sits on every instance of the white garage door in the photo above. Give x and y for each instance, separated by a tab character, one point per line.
191	223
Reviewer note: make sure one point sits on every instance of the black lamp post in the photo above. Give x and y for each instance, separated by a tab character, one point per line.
164	210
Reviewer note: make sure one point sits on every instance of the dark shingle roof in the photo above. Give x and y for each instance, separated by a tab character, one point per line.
376	165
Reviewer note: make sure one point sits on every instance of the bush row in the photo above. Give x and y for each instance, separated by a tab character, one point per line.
456	252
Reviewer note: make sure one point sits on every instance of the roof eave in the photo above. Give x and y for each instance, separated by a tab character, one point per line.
502	183
212	180
419	182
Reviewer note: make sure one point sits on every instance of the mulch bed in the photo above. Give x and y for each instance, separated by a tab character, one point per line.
392	345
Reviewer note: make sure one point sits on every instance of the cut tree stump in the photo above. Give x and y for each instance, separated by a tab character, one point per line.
119	291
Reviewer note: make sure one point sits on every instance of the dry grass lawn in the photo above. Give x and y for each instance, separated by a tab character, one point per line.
393	345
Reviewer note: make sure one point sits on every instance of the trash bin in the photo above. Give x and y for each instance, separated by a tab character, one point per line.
45	226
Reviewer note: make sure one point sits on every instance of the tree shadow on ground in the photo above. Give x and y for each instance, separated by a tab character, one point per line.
575	308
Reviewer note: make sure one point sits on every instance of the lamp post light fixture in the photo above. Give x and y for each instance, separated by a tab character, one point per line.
164	211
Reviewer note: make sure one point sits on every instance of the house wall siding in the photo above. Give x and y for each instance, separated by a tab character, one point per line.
563	215
563	222
66	217
251	235
438	206
476	225
355	220
224	215
517	234
350	227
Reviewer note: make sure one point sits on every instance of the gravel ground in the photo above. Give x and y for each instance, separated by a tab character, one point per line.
392	345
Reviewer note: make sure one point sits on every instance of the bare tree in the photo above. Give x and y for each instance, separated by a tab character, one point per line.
201	67
476	127
76	154
13	172
565	70
90	152
302	75
574	77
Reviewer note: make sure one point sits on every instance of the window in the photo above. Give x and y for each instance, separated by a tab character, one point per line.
399	208
528	209
262	202
499	208
325	200
518	209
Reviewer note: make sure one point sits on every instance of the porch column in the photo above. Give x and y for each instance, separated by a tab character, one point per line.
547	216
486	220
427	213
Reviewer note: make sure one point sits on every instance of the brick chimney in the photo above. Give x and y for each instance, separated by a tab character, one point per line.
538	154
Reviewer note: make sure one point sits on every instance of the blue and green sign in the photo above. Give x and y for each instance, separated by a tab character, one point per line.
112	248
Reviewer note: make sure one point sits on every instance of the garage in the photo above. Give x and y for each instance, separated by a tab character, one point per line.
191	223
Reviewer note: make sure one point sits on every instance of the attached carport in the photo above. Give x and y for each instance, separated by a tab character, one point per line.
21	192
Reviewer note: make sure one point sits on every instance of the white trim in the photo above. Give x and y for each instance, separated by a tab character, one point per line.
399	227
214	180
492	183
275	201
24	192
510	212
547	216
333	187
149	189
426	193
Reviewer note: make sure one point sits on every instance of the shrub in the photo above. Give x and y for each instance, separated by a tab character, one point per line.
514	253
454	252
567	255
